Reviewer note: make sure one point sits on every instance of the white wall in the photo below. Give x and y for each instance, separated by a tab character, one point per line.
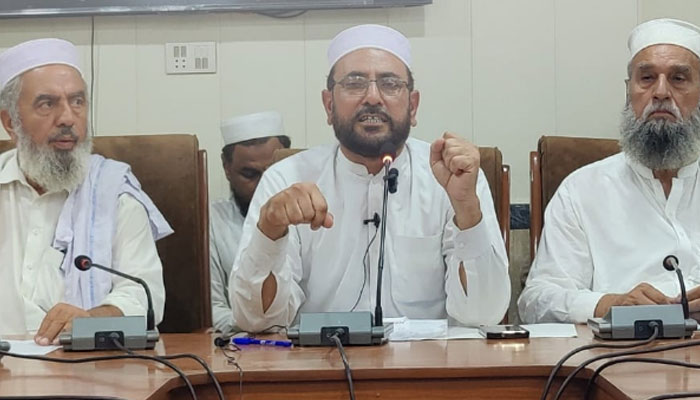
499	72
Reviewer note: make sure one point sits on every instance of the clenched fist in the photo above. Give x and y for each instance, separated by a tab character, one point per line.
455	164
301	203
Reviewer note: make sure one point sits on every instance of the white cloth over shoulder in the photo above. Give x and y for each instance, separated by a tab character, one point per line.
608	228
87	224
323	270
31	278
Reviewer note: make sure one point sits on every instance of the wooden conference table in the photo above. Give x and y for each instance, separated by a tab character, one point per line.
455	369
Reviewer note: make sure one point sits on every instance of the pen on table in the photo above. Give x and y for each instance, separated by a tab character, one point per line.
264	342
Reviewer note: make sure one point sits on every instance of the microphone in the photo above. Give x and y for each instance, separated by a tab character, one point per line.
671	264
374	220
388	151
84	263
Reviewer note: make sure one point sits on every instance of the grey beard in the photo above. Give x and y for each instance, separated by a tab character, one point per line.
660	144
53	170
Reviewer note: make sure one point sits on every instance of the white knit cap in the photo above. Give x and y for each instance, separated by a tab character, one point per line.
36	53
369	36
664	31
252	126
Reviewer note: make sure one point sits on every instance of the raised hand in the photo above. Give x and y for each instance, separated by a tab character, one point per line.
455	164
301	203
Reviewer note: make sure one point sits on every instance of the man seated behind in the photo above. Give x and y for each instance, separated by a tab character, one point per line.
611	224
57	202
309	243
249	144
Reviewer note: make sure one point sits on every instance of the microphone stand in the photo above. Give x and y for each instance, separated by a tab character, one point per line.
355	327
390	185
111	333
150	315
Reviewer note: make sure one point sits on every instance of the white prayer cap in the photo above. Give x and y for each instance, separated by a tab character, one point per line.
36	53
664	31
369	36
252	126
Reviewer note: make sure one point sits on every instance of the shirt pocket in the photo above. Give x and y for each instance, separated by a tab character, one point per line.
418	273
49	286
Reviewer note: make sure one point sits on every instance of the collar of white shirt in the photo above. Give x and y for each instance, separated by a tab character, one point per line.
688	171
9	170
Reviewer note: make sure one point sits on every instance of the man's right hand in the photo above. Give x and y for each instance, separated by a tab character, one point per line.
642	294
301	203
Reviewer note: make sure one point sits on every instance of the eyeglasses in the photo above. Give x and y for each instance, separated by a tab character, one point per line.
355	85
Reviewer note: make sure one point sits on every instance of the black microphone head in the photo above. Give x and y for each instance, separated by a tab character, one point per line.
670	263
83	263
388	152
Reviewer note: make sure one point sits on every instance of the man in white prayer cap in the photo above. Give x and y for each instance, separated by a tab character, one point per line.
57	201
611	224
309	243
249	144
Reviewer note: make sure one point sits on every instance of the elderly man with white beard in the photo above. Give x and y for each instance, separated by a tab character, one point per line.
610	224
57	201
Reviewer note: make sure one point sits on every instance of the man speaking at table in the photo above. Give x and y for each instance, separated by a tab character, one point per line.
308	241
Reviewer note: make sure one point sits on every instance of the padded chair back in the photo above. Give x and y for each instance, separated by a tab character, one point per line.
556	157
173	172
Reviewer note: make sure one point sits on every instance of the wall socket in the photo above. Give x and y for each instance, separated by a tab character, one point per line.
190	58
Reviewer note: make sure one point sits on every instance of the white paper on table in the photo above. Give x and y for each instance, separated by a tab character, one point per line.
551	330
436	329
463	332
29	348
417	329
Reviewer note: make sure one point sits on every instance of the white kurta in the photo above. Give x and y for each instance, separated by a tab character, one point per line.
225	227
31	281
323	270
608	228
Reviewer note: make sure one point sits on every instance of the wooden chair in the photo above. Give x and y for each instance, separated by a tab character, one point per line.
556	157
173	171
497	175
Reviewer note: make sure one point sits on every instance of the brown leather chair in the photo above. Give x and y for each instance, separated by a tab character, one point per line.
497	175
173	171
556	157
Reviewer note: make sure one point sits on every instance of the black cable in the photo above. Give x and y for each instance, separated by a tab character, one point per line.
160	360
231	360
365	268
557	367
104	358
682	395
346	364
217	385
656	349
645	360
229	334
194	357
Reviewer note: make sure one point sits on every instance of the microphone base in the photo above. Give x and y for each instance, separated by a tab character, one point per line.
632	322
353	328
90	334
4	346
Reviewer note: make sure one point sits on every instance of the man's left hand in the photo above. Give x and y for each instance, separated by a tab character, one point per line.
455	164
57	319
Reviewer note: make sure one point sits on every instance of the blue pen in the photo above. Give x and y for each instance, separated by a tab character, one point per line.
264	342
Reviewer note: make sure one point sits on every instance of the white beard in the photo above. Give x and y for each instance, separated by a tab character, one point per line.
53	170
